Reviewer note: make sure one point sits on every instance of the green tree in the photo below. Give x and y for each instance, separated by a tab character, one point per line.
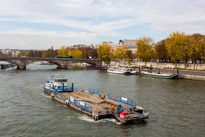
104	53
144	49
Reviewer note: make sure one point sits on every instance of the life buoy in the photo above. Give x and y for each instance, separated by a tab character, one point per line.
114	97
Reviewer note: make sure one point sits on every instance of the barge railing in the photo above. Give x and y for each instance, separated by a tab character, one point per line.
80	104
124	100
61	96
96	92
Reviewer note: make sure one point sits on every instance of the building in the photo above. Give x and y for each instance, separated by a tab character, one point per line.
130	44
113	45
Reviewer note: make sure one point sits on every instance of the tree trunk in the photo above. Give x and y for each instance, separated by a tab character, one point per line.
176	65
185	64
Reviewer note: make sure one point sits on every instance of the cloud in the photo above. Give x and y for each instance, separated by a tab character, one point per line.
99	20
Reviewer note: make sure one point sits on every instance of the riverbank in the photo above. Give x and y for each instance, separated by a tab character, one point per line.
198	67
186	74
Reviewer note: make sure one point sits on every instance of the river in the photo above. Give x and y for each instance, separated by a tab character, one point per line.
176	107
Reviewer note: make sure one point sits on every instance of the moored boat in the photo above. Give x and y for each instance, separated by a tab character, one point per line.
120	70
158	75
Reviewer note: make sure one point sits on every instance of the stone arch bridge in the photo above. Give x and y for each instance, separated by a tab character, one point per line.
21	62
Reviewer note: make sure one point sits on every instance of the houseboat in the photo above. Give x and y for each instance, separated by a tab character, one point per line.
120	70
159	75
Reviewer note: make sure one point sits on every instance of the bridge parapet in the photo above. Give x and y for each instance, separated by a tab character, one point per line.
21	62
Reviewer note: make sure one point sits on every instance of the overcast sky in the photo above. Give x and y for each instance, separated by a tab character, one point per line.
40	24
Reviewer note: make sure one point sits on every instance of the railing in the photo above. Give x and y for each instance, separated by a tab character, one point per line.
80	104
61	96
124	100
96	92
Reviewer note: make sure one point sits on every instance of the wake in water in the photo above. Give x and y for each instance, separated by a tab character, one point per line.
89	119
45	95
41	85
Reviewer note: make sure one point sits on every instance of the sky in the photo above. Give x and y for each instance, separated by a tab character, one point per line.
40	24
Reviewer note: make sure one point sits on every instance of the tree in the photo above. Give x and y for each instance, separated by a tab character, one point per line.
197	46
62	51
144	49
76	53
128	55
20	54
69	51
177	45
120	53
161	51
104	53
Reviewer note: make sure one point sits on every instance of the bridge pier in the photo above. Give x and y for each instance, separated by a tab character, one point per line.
62	66
21	67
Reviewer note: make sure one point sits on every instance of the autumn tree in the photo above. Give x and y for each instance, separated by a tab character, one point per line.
69	51
160	51
128	56
62	51
76	53
197	47
177	45
144	49
104	53
20	54
120	53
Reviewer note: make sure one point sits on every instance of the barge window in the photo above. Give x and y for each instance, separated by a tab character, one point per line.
61	80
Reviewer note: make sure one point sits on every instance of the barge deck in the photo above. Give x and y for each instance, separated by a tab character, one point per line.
94	105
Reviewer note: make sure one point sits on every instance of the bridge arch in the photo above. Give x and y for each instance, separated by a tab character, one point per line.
21	62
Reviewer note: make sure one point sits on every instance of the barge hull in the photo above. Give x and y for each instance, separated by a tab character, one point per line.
100	107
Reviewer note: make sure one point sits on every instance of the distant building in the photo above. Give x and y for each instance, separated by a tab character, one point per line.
130	44
113	45
83	46
78	46
13	52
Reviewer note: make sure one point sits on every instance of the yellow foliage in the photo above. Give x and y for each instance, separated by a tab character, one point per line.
62	51
69	52
120	53
19	54
104	52
177	46
76	53
144	49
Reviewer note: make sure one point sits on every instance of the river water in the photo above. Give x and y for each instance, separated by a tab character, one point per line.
176	107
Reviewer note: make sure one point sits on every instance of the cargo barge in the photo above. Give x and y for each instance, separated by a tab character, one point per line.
95	103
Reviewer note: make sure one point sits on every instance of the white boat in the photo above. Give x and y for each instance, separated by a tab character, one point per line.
158	75
57	84
120	70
